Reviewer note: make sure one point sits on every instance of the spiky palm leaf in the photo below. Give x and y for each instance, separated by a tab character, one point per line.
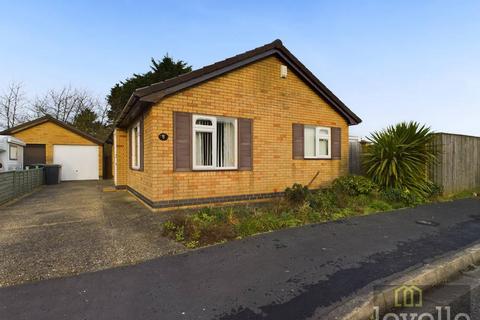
398	157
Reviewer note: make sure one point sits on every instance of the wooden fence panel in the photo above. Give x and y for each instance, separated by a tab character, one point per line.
16	183
355	156
458	165
6	186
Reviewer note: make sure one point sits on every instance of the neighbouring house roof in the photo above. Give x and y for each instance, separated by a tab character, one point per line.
48	118
147	96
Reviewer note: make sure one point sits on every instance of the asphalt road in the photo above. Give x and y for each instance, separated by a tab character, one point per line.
290	274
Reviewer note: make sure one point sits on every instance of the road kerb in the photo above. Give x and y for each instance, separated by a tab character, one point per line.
430	275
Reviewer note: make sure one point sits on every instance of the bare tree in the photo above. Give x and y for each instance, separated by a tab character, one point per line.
102	112
67	104
13	106
39	107
64	104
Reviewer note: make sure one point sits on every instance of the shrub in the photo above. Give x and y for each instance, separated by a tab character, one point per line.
204	216
170	227
402	196
398	157
267	221
206	226
323	201
435	191
353	185
304	213
377	206
192	244
217	232
342	214
296	194
358	203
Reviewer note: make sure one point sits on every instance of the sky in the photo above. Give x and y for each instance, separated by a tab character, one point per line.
389	61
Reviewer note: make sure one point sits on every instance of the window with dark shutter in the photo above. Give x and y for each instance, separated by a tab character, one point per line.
245	150
214	143
336	143
182	141
317	142
297	141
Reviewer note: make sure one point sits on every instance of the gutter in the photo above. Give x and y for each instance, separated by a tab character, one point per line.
130	103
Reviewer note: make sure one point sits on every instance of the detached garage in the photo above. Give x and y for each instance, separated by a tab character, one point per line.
53	141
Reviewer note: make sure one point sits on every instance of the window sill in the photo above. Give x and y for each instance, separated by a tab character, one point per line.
214	169
329	158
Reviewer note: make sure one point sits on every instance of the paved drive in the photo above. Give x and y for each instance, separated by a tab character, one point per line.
290	274
74	227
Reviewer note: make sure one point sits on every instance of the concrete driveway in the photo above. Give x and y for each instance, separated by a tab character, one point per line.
75	227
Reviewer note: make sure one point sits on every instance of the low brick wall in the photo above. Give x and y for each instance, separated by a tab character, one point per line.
14	184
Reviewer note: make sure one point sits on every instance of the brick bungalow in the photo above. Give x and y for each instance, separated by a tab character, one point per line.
244	128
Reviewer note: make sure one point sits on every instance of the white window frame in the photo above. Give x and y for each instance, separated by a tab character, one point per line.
319	135
10	147
213	129
135	142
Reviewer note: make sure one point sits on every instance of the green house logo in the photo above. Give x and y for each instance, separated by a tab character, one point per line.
408	297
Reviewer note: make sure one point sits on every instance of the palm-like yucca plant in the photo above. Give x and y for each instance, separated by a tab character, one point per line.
398	157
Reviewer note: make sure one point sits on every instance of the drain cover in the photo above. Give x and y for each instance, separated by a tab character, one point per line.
427	223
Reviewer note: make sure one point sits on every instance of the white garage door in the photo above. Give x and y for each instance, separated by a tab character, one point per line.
78	162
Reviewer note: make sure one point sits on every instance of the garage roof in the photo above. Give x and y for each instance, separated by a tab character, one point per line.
49	118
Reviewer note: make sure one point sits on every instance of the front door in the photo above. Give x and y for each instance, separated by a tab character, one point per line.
34	154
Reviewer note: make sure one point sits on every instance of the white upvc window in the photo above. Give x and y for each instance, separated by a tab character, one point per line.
13	152
135	145
214	143
318	142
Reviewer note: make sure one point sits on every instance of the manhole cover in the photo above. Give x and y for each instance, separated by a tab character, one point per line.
427	223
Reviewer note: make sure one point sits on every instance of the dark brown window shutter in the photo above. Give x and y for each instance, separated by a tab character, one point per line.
141	143
182	141
336	143
245	145
297	141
